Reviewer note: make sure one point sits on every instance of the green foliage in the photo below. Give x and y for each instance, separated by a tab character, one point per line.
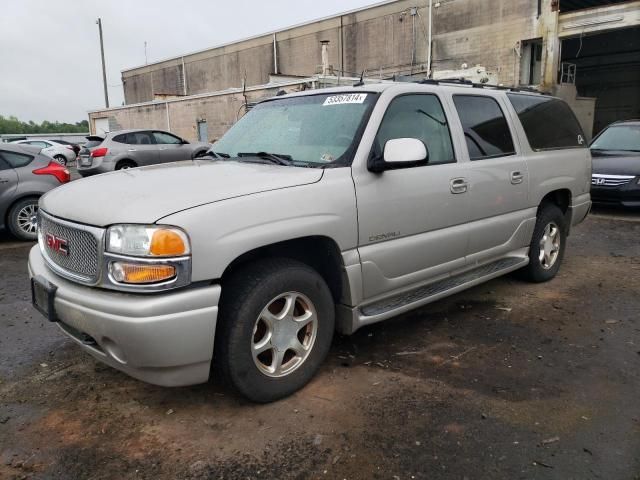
13	125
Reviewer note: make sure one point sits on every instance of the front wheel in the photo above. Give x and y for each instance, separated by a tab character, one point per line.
547	245
275	328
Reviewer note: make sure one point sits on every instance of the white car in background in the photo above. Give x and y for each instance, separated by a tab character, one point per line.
60	152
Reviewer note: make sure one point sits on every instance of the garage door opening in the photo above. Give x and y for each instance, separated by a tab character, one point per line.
607	67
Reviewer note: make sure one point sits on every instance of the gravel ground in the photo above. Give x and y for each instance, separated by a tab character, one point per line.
507	380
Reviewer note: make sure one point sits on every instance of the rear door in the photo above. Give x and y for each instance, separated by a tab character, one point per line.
171	148
8	183
142	148
499	217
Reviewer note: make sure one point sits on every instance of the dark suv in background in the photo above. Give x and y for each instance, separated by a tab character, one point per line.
135	148
616	165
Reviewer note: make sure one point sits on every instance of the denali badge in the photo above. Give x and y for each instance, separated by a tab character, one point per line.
57	244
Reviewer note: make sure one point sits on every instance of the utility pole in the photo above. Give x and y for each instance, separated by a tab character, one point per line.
104	69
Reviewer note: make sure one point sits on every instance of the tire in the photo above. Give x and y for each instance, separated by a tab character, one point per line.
21	219
543	266
61	159
125	165
244	324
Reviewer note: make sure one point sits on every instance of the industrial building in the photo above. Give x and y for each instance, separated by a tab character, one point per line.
585	51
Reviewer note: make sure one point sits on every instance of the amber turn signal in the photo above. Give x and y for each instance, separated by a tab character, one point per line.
140	274
168	243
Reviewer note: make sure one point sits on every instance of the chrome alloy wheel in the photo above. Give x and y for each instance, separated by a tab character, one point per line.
28	218
549	246
284	334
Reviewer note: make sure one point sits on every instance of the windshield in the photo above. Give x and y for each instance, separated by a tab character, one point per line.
620	138
314	130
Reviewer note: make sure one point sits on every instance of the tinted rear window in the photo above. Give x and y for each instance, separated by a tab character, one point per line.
548	122
92	143
485	127
16	160
120	138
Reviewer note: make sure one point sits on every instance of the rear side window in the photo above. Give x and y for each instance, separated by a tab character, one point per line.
548	122
485	127
16	160
120	138
140	138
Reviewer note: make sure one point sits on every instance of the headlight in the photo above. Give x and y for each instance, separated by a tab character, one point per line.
147	257
147	241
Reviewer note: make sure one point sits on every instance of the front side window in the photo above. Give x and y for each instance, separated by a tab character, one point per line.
417	116
485	127
624	138
312	130
548	122
163	138
16	160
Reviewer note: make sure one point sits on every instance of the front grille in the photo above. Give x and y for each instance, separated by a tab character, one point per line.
82	247
610	180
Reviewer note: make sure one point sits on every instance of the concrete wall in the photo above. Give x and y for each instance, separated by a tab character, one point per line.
220	111
381	40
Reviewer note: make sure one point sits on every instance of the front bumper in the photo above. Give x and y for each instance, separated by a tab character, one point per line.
164	339
624	196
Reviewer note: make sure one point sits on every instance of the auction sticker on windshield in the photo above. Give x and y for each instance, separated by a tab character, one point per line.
345	99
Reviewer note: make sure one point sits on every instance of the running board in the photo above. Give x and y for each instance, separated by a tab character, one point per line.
406	301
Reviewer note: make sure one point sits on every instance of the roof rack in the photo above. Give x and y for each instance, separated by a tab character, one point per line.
464	81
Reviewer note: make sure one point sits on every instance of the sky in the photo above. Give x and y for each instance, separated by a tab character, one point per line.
50	53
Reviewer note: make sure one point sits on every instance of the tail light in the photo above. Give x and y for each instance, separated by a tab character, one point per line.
55	169
99	152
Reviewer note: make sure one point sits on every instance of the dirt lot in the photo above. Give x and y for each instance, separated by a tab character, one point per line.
508	380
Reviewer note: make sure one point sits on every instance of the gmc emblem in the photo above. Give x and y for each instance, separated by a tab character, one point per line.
57	244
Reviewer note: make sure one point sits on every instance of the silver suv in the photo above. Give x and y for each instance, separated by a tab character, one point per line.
134	148
318	211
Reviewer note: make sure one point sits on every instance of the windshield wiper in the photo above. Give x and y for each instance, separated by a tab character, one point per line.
272	157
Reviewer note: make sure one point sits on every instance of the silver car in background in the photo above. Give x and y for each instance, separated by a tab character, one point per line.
25	175
63	153
135	148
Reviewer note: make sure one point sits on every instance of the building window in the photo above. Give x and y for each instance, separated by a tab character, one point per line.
531	62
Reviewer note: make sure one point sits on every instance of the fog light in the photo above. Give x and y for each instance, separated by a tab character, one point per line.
139	274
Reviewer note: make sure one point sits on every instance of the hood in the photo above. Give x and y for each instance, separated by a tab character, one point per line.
145	195
616	163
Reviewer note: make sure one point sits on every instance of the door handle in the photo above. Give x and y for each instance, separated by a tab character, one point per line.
4	180
517	178
132	150
459	185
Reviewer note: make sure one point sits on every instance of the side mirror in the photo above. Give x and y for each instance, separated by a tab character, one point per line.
401	153
184	142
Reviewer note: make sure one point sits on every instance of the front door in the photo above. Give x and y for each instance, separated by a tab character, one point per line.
412	221
499	217
171	148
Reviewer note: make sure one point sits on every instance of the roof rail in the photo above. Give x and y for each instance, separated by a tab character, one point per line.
464	81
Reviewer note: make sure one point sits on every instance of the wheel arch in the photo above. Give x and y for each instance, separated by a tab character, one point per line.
319	252
562	199
125	160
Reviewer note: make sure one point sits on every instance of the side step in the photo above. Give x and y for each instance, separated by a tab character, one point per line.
422	295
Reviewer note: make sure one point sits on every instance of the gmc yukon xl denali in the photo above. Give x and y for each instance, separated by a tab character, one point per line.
317	212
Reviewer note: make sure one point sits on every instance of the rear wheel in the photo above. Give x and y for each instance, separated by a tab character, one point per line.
23	219
547	245
275	328
61	159
125	165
